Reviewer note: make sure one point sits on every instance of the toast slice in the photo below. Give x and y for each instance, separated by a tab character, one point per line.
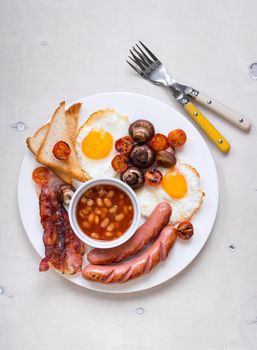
34	142
63	127
72	115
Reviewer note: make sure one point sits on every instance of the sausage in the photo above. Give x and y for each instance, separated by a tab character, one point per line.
143	264
144	234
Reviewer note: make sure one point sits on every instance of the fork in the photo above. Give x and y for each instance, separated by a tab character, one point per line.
150	67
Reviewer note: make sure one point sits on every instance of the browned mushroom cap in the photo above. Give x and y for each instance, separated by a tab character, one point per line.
65	193
166	159
142	156
133	177
141	130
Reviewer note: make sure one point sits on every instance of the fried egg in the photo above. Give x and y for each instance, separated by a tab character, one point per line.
95	142
179	187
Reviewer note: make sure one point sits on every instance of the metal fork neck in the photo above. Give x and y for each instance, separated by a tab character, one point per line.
183	93
180	96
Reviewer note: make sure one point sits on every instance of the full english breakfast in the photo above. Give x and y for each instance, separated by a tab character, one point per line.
107	145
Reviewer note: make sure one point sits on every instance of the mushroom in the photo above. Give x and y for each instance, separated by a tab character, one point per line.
166	158
142	156
133	177
141	130
65	194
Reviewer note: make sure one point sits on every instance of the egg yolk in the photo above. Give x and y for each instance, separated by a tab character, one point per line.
174	184
97	144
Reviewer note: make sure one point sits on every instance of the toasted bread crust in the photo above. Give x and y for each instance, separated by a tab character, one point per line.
72	115
38	137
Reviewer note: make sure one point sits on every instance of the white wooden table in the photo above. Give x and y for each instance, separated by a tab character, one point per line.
55	50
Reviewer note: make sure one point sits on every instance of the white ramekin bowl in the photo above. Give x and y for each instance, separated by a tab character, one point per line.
101	243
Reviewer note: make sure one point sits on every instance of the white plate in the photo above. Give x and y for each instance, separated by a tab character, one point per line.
195	152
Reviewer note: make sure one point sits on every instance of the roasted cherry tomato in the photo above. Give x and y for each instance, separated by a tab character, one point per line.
185	230
124	144
153	177
61	150
159	142
120	163
40	175
177	138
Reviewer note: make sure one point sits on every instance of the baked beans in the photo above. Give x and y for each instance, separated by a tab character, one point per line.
104	212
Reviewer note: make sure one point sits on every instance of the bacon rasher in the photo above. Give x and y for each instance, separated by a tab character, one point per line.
63	249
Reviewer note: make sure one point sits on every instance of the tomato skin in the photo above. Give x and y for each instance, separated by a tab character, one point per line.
124	144
159	142
40	175
153	177
120	163
185	230
61	150
177	138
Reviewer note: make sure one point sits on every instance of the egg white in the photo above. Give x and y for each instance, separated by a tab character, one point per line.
182	208
148	200
108	120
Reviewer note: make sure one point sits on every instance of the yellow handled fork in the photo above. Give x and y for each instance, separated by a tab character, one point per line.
207	127
150	68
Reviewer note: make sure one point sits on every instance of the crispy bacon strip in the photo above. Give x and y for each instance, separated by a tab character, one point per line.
63	249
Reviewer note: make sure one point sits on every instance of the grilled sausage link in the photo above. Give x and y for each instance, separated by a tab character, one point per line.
136	267
144	234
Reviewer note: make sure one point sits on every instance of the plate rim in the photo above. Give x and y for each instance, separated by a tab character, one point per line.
99	290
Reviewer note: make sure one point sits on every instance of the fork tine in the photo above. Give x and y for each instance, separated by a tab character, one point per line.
149	52
144	55
146	63
137	60
136	69
137	63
